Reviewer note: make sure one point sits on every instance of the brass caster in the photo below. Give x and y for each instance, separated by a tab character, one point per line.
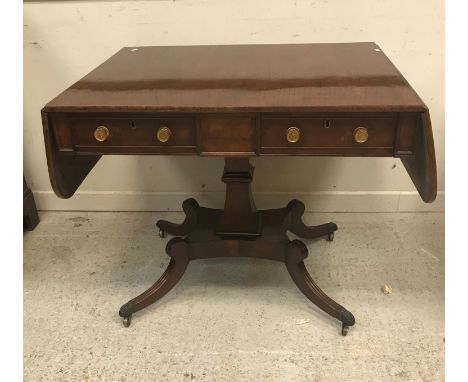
344	330
162	233
331	236
126	321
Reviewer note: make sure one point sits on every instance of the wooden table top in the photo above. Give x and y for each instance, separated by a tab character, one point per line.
344	99
299	77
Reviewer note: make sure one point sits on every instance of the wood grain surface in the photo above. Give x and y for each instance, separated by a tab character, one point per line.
308	77
240	100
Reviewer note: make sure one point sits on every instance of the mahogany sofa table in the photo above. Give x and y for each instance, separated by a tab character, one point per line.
237	102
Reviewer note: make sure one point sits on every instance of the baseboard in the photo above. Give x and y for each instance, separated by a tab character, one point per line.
336	201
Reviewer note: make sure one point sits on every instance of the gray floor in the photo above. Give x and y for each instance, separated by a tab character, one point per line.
233	319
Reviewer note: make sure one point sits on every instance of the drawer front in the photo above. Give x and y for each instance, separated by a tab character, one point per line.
130	135
226	135
328	136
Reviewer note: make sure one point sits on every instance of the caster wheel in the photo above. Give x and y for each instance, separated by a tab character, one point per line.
331	236
126	321
162	233
344	330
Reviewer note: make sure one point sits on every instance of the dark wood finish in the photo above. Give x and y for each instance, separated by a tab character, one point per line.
190	207
66	171
243	78
422	165
235	102
297	226
240	219
205	241
177	249
296	252
329	135
225	135
405	136
30	215
128	133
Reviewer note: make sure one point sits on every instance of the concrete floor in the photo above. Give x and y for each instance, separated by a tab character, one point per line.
233	319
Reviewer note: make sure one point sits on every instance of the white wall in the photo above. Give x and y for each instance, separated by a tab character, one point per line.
64	40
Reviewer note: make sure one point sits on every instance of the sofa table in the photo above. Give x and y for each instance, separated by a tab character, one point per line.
239	101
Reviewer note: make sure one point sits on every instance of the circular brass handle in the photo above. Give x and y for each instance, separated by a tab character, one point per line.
163	134
293	134
361	134
101	133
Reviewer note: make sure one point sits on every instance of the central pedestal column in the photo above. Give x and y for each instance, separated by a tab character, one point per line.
240	219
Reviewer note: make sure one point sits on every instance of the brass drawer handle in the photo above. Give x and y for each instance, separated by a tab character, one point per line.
361	134
293	134
163	134
101	133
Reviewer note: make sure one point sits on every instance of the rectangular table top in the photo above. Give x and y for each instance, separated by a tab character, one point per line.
344	99
295	77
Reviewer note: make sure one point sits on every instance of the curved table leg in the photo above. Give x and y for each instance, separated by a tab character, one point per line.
297	226
177	249
296	252
190	207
